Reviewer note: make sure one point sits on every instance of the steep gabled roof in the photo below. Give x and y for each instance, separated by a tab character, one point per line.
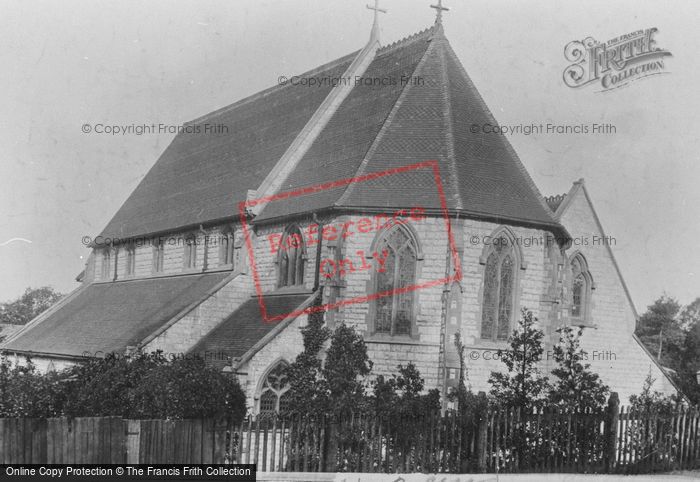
413	103
428	118
200	177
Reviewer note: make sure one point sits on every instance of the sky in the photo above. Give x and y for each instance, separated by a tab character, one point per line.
65	64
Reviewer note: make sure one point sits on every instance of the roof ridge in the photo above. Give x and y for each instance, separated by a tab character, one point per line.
449	118
398	43
275	88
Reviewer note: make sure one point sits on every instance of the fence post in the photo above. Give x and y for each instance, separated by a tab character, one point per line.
133	441
612	418
481	436
331	442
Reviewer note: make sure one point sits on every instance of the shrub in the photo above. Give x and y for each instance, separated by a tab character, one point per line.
152	386
139	386
576	387
522	386
24	392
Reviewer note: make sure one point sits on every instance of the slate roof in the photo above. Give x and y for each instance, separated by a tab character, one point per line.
200	178
108	317
379	128
234	336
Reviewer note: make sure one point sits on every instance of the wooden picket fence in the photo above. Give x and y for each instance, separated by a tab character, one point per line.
655	443
356	443
615	440
111	440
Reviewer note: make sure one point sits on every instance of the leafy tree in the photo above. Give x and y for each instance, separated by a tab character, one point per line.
523	385
335	384
690	315
576	387
672	333
345	368
307	390
690	360
660	331
31	304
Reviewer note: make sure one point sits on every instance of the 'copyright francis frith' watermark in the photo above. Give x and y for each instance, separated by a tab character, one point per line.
593	355
615	63
549	129
351	80
545	240
153	129
199	239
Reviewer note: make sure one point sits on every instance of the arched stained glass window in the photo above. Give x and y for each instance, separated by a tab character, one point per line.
274	388
291	258
581	287
505	297
394	310
499	290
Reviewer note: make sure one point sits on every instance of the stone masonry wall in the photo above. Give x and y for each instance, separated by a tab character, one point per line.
621	362
285	346
533	279
423	349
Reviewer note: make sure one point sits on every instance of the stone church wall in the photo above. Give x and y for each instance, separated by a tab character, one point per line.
541	283
285	346
534	277
620	360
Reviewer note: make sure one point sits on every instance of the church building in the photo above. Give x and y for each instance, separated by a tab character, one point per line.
369	194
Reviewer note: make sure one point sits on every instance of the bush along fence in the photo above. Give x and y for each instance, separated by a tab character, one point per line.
615	440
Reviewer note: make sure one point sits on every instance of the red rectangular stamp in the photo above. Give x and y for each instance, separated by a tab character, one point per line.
383	260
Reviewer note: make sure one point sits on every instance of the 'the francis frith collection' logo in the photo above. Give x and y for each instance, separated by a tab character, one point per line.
614	63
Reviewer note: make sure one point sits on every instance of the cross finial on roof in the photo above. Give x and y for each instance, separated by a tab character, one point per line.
376	10
440	9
